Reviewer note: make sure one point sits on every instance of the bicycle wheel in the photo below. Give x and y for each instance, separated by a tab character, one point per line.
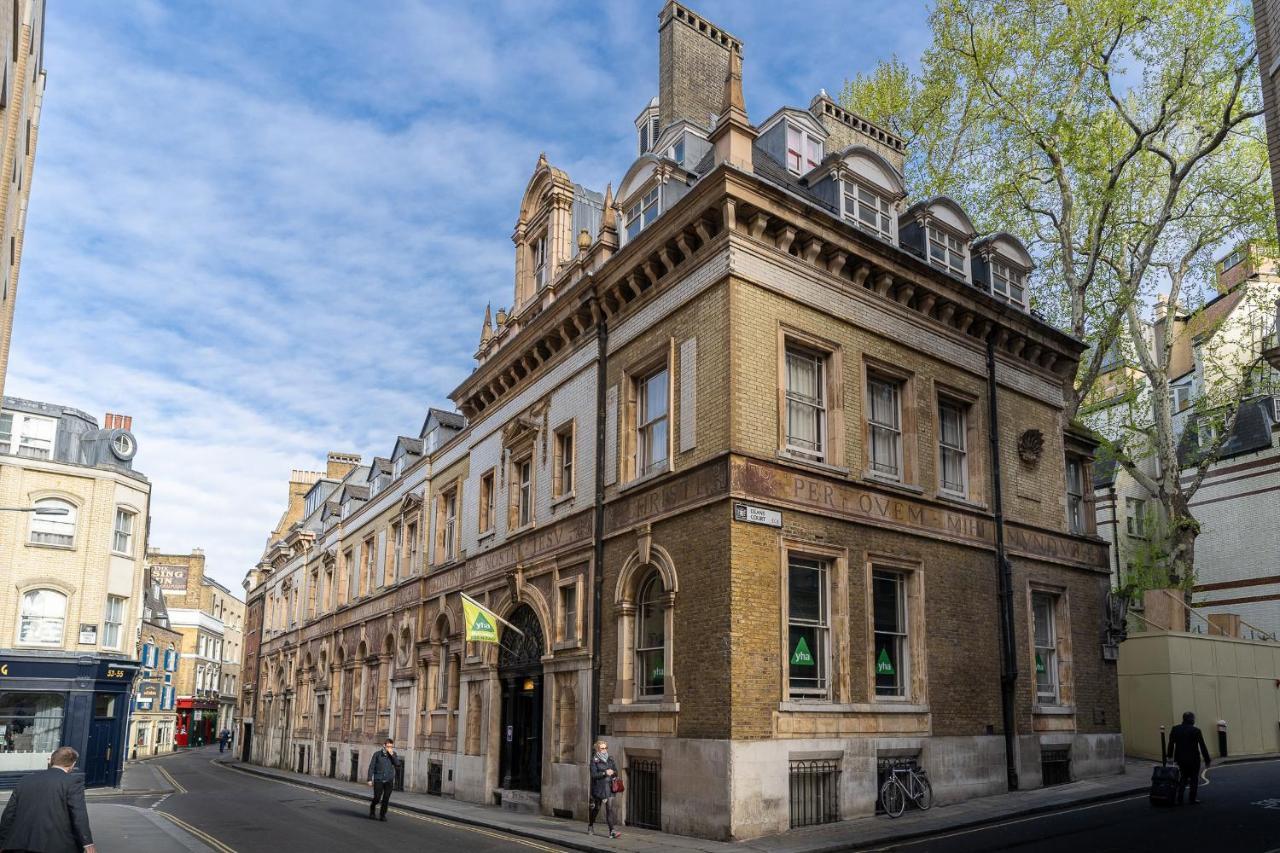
893	798
925	798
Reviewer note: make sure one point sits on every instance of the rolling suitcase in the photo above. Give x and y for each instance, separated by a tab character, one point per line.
1164	779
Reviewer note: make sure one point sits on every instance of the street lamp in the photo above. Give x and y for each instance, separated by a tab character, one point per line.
38	510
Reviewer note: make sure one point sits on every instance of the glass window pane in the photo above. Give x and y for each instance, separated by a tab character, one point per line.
804	591
886	590
30	729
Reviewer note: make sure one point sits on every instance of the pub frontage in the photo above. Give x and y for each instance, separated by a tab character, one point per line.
49	700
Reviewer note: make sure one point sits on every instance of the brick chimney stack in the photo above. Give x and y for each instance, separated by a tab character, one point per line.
693	62
114	421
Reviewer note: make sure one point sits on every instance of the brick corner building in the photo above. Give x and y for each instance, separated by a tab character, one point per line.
782	455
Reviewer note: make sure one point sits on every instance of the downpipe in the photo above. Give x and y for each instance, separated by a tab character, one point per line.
1004	571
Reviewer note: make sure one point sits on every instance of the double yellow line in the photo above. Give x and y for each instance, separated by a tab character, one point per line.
168	777
203	836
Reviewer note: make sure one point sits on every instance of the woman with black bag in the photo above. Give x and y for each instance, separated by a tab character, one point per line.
605	783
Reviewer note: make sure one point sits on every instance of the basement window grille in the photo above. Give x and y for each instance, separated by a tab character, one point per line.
644	793
435	775
815	791
1055	766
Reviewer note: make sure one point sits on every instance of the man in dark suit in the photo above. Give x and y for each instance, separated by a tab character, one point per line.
46	812
1186	746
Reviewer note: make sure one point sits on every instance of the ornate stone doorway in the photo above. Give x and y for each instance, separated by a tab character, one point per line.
520	671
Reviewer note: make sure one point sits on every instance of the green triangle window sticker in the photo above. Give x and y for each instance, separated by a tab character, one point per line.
801	656
1039	663
884	666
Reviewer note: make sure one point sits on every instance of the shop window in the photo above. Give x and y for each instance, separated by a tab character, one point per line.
30	729
43	617
808	621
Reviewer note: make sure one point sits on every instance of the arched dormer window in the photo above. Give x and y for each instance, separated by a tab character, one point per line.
544	235
640	195
940	232
870	190
647	127
1001	263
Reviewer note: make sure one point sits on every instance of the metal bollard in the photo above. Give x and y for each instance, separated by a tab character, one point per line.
1222	738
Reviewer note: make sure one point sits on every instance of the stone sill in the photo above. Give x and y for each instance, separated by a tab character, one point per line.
645	708
637	482
874	479
1054	710
824	467
852	708
568	497
959	500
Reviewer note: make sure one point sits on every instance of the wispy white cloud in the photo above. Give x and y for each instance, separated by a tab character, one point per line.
268	229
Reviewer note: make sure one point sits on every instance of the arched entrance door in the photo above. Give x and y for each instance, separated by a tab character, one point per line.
520	670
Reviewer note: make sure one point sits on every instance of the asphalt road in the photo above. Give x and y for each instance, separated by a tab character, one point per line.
1240	813
236	812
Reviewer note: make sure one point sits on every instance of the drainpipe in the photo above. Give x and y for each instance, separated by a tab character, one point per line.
597	577
1008	651
1115	531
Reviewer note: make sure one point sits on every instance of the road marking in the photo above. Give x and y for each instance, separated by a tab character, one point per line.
425	818
1016	821
202	835
168	777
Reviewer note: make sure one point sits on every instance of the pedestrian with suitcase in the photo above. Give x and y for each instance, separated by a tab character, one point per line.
1164	779
1186	746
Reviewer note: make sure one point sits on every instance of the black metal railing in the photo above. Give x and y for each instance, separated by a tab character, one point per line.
815	791
644	793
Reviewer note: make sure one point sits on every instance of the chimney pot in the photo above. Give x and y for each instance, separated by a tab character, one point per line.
113	421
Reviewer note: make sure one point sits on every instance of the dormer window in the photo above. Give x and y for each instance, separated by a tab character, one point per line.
676	152
398	471
869	210
946	251
1007	282
804	152
539	250
641	214
647	127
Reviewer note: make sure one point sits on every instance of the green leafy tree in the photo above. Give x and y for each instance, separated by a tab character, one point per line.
1120	140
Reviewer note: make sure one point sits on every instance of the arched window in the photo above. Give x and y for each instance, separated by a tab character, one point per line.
43	616
650	638
60	529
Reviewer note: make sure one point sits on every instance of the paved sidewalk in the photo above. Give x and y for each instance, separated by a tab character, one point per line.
138	778
843	836
129	829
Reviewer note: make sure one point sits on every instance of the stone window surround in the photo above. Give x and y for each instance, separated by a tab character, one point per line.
635	571
975	460
661	357
917	697
486	509
452	488
908	474
569	636
1065	705
561	491
833	389
517	454
839	683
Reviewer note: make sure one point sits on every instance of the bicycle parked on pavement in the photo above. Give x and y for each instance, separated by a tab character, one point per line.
907	781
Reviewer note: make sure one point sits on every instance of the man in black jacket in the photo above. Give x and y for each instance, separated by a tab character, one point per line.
1186	745
382	777
47	812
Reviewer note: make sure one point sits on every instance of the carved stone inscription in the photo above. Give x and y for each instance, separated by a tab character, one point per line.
537	544
703	483
1056	548
752	478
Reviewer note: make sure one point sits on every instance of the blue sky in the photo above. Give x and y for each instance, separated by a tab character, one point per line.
267	230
